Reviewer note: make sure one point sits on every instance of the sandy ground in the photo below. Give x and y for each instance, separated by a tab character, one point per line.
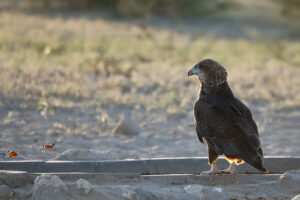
26	132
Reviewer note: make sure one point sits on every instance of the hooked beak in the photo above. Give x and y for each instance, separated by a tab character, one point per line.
194	71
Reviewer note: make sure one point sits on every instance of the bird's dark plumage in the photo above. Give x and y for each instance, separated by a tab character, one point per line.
222	120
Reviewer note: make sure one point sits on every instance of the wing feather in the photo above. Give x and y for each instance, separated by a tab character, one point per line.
228	127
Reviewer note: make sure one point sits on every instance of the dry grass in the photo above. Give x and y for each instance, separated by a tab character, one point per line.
61	59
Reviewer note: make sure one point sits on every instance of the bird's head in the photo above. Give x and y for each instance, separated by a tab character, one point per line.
209	72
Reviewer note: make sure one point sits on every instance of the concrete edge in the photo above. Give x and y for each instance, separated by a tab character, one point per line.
193	165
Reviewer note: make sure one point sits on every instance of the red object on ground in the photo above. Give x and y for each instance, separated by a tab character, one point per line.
49	146
12	154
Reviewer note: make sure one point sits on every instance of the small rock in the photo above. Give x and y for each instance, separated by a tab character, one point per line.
86	154
126	126
84	186
116	191
48	186
15	179
206	192
290	178
127	192
5	192
194	190
218	189
143	134
296	197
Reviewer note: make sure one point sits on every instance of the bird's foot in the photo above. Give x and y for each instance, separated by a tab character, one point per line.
213	170
230	170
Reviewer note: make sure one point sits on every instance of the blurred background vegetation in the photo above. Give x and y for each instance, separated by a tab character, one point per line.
131	8
138	8
111	41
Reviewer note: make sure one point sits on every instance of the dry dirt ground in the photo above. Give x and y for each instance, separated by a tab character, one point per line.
25	132
78	78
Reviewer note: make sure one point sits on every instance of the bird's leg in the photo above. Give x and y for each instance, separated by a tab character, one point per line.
213	169
230	170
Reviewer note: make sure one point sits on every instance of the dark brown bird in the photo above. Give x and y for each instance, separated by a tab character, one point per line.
223	122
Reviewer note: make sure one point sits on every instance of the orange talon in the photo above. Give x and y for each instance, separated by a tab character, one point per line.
12	154
49	146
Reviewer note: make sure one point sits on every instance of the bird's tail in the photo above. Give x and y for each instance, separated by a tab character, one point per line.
258	164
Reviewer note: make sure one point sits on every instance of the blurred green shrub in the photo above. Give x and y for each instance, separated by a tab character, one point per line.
136	8
290	8
179	8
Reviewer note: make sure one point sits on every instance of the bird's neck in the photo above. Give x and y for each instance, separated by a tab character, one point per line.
222	89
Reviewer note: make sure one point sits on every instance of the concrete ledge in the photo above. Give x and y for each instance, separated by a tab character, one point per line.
146	166
164	179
